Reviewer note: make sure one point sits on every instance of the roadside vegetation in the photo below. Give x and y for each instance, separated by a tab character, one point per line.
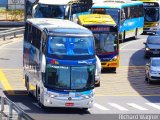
11	15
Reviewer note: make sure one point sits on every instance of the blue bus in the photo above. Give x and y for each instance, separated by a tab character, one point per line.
129	16
59	63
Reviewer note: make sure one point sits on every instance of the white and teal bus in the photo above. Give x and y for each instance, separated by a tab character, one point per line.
59	63
128	15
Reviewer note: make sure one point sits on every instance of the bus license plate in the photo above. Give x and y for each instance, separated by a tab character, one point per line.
69	104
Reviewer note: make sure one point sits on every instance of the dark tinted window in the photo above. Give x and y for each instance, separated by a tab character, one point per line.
133	11
32	35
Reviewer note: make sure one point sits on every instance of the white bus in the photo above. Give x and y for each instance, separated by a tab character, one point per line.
59	63
61	9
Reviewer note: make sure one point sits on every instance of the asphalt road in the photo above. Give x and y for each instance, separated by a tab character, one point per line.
123	92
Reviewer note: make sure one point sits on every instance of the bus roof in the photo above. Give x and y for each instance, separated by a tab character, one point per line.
96	19
119	5
55	2
58	26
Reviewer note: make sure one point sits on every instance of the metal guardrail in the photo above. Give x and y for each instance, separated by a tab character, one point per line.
12	106
13	31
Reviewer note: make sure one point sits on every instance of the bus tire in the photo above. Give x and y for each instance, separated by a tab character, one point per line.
85	109
25	79
149	81
136	34
98	84
27	87
123	37
113	69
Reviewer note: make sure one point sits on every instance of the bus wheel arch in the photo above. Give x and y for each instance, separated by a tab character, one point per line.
27	85
38	98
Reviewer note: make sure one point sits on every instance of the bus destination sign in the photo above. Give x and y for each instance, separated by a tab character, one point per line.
99	28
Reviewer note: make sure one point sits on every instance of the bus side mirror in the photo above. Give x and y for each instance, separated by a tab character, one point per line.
147	65
144	43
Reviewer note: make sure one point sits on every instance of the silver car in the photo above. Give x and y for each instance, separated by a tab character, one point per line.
152	47
152	70
158	32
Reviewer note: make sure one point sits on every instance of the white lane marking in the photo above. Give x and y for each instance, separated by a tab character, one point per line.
118	106
36	104
11	42
133	49
136	106
11	48
100	106
154	105
125	45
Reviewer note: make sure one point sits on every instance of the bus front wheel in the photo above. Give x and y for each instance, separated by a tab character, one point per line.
27	87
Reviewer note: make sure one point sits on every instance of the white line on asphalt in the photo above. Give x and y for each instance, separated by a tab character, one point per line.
132	49
126	44
11	48
36	104
154	105
100	107
136	106
118	106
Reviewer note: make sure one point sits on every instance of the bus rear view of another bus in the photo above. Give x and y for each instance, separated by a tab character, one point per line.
128	15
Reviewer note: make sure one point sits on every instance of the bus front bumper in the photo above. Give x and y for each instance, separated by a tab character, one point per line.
150	29
110	64
55	102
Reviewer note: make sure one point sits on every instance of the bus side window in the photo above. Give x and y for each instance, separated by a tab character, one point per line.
123	15
43	42
26	32
30	34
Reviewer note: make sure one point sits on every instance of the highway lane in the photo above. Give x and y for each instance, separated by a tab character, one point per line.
122	92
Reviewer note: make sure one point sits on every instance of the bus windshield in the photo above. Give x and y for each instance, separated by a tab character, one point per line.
151	14
66	45
70	78
50	11
110	11
106	42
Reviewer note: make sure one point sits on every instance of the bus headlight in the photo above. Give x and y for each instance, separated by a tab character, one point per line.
147	49
114	58
156	24
87	96
48	94
97	78
153	72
